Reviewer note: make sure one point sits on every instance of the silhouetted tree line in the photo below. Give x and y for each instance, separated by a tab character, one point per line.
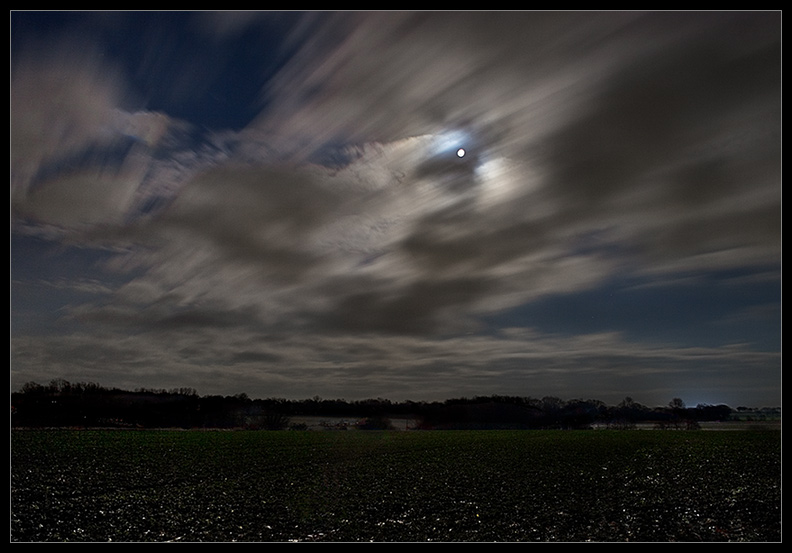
64	404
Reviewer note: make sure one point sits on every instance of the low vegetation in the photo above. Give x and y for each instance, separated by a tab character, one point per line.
170	485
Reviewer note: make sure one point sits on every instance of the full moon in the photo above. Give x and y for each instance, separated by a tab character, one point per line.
461	152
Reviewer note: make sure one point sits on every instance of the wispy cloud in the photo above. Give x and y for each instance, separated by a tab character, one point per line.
338	231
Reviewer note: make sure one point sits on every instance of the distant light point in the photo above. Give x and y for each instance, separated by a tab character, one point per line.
461	152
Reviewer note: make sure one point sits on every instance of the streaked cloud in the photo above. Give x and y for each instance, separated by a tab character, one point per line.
337	234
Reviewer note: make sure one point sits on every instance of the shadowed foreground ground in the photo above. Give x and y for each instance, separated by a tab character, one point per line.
395	486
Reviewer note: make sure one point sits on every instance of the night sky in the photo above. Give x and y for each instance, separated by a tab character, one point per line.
272	203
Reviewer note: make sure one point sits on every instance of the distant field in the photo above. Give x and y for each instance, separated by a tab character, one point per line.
395	486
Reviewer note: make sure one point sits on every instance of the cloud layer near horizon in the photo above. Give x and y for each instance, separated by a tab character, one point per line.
337	243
